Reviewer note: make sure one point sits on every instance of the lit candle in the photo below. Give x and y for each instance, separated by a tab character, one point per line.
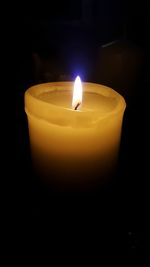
74	143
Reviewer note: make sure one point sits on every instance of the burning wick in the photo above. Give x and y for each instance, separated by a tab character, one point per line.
77	93
76	107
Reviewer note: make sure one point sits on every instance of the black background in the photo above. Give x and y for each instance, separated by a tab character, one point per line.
124	203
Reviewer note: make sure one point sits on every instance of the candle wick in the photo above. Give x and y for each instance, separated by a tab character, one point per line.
77	106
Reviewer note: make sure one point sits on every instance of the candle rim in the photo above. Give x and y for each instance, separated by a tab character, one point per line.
32	101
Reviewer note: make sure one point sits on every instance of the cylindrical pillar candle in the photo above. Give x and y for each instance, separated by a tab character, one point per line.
74	148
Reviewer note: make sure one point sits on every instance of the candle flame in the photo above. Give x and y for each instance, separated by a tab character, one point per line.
77	93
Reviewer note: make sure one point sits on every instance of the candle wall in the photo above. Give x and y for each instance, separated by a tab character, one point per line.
74	149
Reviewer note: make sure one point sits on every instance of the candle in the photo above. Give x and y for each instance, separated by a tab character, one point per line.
74	142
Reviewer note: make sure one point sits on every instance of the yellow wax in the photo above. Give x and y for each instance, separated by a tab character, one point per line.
74	147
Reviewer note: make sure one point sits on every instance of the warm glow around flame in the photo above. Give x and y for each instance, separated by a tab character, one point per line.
77	93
